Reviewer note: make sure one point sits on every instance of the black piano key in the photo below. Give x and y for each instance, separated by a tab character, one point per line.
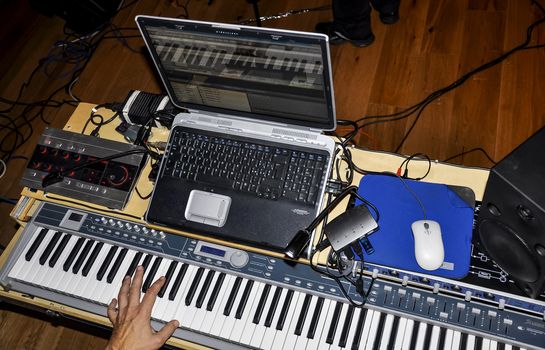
92	259
463	342
177	282
57	253
427	338
116	265
414	336
72	256
346	326
82	256
215	292
49	248
380	329
34	246
478	343
501	346
273	307
193	288
284	312
244	299
134	264
359	330
168	277
204	289
232	295
442	336
146	262
261	305
107	260
515	347
302	315
314	321
334	322
393	333
151	275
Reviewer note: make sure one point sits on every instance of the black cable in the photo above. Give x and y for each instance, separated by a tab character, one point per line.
476	149
420	106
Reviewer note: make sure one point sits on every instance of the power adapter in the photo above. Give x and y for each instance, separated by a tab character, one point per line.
140	106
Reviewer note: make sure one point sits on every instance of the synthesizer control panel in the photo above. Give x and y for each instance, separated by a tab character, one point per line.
107	183
452	304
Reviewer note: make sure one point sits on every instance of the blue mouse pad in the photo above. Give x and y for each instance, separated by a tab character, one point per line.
451	206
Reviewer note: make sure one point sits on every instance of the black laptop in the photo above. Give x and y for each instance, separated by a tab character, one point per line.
247	162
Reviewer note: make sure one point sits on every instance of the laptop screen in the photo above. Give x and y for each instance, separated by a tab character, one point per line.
252	72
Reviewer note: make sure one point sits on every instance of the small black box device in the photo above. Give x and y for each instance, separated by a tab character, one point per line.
350	226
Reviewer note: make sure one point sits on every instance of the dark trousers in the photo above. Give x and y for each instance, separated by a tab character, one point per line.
354	16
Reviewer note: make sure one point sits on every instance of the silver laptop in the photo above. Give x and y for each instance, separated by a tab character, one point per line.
247	162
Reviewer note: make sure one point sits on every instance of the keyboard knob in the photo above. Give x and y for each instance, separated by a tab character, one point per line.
104	220
136	228
128	226
111	222
239	259
145	230
119	224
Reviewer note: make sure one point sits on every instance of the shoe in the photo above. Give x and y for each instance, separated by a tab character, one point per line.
388	14
337	36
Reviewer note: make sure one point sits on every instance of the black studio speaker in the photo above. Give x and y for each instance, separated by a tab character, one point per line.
511	221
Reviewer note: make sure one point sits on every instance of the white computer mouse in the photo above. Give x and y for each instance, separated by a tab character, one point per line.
428	244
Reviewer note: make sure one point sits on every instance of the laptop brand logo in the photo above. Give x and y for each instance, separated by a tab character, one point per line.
300	212
226	33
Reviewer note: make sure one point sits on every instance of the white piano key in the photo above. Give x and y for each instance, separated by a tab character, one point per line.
29	270
108	288
388	323
372	331
57	273
486	344
183	309
160	303
122	272
40	272
448	338
353	326
75	281
493	345
259	331
91	283
421	335
171	312
220	318
210	318
456	340
242	324
191	309
434	342
320	325
366	328
470	342
280	336
205	57
339	330
323	345
201	313
291	337
508	347
18	266
270	332
229	323
407	334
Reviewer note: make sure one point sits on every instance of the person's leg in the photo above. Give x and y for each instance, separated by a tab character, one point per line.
351	23
388	10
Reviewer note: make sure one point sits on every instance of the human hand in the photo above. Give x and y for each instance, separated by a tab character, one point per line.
131	319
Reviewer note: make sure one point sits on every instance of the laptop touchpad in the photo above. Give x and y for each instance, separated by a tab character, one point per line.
207	208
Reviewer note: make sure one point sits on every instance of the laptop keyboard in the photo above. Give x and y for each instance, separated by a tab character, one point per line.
265	170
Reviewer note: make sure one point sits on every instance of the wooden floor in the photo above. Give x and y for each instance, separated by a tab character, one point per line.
434	43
